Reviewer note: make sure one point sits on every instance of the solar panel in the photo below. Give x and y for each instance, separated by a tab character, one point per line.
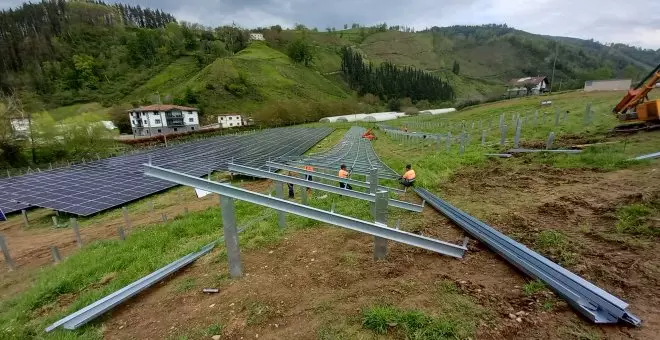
85	189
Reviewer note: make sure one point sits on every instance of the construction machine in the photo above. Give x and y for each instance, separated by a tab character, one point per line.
636	109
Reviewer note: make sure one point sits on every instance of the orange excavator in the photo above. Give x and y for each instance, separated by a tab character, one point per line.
636	109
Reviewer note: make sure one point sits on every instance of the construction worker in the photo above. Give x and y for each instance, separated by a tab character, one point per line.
344	174
290	185
309	177
408	178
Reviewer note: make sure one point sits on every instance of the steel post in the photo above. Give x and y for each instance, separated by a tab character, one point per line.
516	140
380	214
281	215
5	252
56	254
26	223
127	220
503	132
550	141
231	236
122	234
76	231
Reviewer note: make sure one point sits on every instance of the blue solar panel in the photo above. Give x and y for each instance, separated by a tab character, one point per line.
85	189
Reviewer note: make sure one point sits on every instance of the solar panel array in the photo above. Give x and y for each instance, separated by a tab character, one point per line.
85	189
354	151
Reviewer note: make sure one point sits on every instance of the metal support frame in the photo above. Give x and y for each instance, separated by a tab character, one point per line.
542	150
5	253
76	231
98	308
56	254
309	212
591	301
231	236
281	215
320	186
328	177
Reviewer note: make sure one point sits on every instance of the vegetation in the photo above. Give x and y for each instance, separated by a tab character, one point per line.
389	81
637	219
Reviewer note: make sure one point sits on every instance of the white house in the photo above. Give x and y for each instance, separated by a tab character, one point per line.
257	36
518	87
158	119
230	121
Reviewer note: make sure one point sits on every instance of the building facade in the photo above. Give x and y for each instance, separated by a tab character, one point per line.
230	121
160	119
607	85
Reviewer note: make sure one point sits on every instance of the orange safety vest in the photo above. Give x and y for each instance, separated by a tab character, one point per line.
308	168
409	175
343	173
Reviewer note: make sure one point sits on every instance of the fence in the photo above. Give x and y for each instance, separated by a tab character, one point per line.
461	134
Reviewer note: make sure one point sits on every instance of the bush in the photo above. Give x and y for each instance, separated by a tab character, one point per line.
411	111
394	105
236	89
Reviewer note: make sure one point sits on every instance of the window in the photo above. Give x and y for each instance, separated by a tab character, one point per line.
159	131
155	113
145	121
231	124
134	122
229	118
191	119
222	118
157	121
192	128
175	130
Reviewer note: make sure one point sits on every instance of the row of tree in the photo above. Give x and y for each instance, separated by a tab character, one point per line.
389	81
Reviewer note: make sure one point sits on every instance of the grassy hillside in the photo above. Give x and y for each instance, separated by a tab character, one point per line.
254	77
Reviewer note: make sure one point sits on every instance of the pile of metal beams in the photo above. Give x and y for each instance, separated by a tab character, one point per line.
591	301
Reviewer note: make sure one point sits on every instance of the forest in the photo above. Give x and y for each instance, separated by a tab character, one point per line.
69	52
388	81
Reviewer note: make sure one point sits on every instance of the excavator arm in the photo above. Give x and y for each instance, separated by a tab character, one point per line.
638	94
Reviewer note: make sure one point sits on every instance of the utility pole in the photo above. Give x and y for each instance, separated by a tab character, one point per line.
552	81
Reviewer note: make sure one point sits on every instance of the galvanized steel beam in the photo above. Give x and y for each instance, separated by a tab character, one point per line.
309	212
105	304
591	301
320	186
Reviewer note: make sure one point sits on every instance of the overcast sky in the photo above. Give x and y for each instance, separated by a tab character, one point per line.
635	22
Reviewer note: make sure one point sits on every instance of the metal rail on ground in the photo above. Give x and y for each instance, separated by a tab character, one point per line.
320	186
591	301
103	305
316	214
329	177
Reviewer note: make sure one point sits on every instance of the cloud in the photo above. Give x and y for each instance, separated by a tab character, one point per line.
634	22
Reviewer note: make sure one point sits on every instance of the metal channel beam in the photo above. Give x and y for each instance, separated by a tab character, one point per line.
543	151
320	186
309	212
648	156
105	304
330	177
591	301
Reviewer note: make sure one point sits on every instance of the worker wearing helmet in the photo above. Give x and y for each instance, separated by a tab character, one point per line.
343	173
309	177
408	178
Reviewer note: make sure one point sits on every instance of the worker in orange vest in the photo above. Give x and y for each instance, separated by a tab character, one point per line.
408	178
344	174
309	177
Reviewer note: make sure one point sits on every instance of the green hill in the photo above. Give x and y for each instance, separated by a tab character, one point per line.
117	55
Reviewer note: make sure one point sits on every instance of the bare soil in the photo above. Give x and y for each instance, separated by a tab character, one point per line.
322	278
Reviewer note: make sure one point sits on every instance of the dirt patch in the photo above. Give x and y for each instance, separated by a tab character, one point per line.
321	279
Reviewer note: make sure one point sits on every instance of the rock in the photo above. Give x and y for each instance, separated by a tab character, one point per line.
519	319
212	305
216	337
512	316
270	252
520	313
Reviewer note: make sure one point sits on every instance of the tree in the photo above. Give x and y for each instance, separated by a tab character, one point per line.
456	69
301	51
394	104
345	26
